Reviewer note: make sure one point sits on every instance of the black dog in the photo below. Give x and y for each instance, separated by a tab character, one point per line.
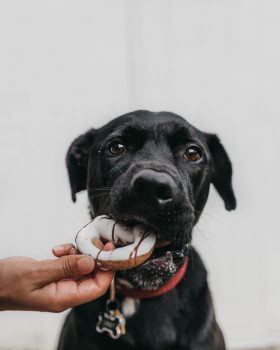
155	169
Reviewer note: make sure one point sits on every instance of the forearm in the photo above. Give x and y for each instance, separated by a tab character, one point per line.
3	294
15	276
5	286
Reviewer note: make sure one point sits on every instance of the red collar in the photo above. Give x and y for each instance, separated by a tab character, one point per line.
144	294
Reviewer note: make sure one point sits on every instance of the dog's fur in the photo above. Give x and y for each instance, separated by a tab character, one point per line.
183	318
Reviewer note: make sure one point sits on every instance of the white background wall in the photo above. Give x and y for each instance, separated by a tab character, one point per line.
66	66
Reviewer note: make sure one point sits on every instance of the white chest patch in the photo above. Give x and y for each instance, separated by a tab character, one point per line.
129	306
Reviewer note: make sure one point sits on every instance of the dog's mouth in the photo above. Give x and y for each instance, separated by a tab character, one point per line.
170	252
168	256
166	251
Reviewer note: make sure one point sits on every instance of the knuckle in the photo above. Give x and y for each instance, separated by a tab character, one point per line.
67	266
102	291
55	304
57	308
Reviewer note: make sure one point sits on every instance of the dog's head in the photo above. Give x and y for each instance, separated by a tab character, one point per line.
154	169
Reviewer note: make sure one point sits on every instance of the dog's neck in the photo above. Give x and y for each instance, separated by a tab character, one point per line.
126	290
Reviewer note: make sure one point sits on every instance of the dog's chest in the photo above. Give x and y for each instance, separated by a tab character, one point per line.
150	323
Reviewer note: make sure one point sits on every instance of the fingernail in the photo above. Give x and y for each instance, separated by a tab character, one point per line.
72	251
85	264
109	246
58	247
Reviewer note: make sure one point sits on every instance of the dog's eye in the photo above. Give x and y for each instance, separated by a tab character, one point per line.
117	149
193	154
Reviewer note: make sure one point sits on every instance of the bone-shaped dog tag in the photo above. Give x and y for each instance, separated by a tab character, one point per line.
121	317
111	321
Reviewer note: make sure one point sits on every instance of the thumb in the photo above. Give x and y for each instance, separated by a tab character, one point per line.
69	266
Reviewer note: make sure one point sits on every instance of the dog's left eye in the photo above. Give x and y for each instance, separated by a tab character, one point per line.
117	149
193	153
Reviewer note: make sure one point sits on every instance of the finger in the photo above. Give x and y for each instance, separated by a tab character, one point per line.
69	266
99	282
87	290
97	243
64	249
103	278
69	248
109	246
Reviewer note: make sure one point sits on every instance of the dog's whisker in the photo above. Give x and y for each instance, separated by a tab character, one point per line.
100	195
99	189
113	170
208	215
203	235
103	191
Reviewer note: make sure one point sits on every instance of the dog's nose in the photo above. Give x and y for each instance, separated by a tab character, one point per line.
153	185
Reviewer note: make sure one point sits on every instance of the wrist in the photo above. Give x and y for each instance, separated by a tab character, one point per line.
3	289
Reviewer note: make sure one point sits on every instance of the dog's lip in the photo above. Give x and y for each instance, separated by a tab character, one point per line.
162	243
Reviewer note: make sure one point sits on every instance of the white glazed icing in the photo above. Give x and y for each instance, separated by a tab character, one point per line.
104	227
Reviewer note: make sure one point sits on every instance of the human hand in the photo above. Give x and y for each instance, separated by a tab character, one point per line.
51	285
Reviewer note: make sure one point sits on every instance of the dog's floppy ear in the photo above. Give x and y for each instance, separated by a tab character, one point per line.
222	171
77	162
